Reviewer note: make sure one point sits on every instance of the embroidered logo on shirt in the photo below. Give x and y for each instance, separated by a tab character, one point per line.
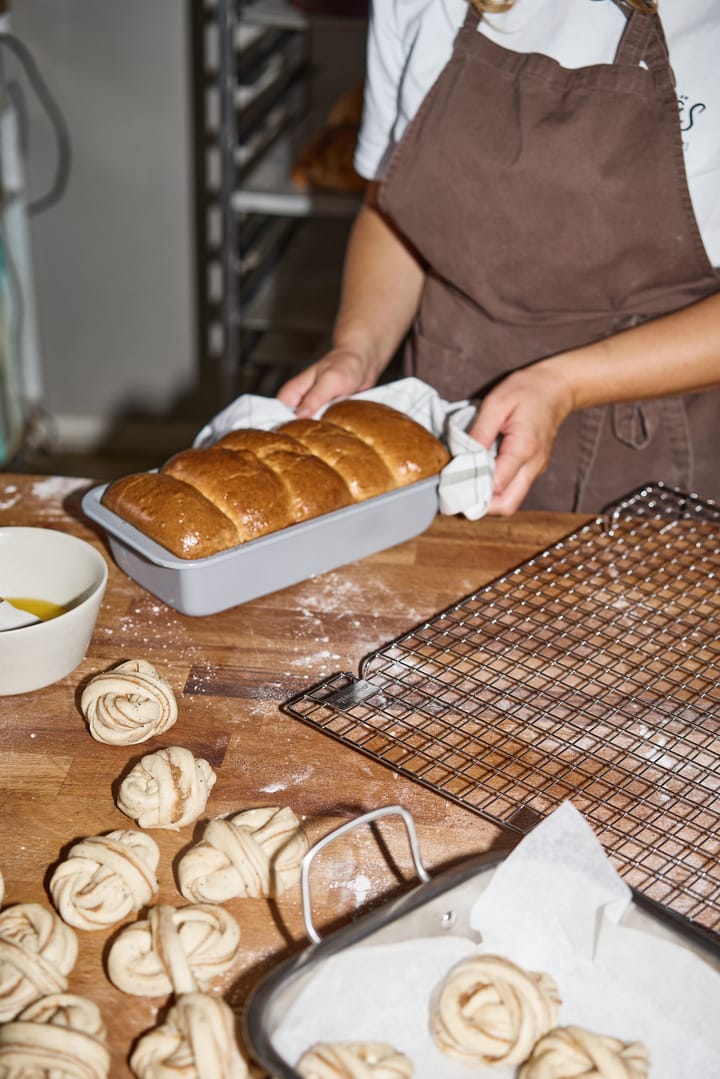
688	115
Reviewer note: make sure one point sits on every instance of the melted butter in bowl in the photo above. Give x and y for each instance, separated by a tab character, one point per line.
41	608
59	580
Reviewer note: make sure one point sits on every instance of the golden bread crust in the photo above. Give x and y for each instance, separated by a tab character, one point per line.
253	482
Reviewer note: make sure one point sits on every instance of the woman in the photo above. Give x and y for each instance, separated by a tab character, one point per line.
531	219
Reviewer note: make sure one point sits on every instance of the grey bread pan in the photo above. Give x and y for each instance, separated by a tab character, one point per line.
207	585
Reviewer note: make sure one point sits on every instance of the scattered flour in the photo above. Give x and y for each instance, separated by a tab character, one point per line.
272	788
10	497
295	780
56	486
361	887
340	595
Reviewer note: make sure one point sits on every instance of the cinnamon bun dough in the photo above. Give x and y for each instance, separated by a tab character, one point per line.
196	1041
574	1053
128	704
61	1035
490	1011
255	853
104	878
37	952
354	1060
174	950
166	789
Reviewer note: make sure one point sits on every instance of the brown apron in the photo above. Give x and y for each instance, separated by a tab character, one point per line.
551	208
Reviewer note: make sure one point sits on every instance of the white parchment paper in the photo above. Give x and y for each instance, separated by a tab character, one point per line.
554	904
465	482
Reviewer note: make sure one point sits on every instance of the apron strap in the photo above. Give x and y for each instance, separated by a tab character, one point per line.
472	20
643	40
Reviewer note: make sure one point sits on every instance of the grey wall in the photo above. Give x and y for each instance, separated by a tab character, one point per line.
113	260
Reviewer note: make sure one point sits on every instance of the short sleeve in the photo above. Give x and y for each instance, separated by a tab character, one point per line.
384	68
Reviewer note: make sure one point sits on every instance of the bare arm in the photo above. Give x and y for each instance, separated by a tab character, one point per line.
382	282
676	354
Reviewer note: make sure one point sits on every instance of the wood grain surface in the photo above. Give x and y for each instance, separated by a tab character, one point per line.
231	672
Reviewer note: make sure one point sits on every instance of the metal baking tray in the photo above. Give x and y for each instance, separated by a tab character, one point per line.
590	672
438	906
206	585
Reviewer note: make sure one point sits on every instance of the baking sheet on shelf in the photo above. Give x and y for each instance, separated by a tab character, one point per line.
591	673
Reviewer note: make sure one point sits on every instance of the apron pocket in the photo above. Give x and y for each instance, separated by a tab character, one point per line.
635	424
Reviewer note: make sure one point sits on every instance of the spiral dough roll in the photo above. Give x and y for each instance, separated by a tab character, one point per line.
61	1035
176	950
574	1053
37	951
128	704
490	1011
255	853
196	1041
354	1060
104	878
166	789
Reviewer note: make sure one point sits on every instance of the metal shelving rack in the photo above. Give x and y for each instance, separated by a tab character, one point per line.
272	252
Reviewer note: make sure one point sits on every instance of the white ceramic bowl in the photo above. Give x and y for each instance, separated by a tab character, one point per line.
44	564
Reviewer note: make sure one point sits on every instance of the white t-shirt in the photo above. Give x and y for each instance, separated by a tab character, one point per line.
410	41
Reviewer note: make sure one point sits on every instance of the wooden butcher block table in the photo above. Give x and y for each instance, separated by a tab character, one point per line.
479	675
231	672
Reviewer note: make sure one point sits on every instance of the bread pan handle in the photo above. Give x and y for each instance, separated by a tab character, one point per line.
364	818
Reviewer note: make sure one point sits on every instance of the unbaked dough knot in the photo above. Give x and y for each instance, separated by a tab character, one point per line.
175	950
61	1035
574	1053
37	951
128	704
490	1011
354	1060
196	1041
252	854
104	878
166	789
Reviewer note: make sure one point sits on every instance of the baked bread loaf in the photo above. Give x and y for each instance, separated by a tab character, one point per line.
360	466
251	482
326	161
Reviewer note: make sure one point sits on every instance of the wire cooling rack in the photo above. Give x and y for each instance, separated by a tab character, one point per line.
590	673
